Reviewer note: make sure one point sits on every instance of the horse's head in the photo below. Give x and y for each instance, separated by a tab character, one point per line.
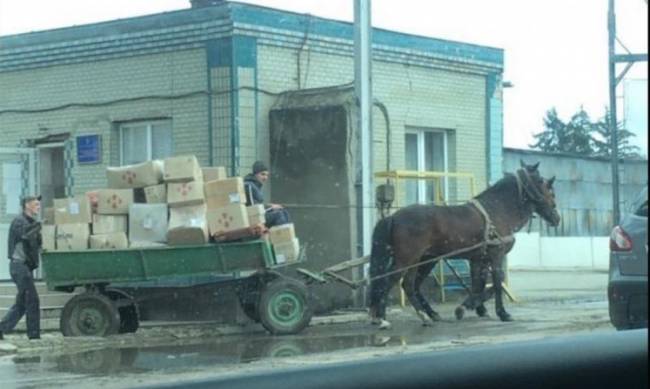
538	191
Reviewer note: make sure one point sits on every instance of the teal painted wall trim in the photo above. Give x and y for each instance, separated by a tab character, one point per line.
272	18
494	128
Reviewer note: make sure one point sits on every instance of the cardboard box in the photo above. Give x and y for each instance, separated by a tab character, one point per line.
108	224
256	214
148	223
185	194
187	225
182	169
282	234
287	252
214	173
114	241
229	218
73	210
156	194
142	245
135	176
92	199
114	201
48	216
221	193
72	237
48	234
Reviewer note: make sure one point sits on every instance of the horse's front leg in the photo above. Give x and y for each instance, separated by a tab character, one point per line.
479	271
497	281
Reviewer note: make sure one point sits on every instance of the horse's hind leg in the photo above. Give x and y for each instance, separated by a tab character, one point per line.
423	272
379	290
411	285
479	272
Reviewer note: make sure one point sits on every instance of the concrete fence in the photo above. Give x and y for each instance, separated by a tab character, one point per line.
532	251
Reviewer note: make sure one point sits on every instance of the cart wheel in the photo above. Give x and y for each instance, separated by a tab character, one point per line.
127	309
89	314
284	307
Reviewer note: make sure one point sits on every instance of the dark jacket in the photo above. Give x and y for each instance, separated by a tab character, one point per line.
25	240
253	189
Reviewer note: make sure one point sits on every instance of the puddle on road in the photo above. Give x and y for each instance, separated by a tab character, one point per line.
112	361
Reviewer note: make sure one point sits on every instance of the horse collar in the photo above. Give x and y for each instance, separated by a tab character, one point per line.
490	230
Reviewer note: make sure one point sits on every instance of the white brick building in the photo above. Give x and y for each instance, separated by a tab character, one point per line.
203	81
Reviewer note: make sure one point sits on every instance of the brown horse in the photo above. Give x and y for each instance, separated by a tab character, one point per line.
420	233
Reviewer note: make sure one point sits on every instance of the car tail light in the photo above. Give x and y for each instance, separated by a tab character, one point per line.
619	240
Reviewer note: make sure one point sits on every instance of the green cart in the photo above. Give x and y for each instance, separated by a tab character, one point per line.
106	307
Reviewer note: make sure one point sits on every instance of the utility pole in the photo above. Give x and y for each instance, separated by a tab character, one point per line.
363	89
629	59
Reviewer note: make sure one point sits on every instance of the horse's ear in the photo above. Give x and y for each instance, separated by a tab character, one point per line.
523	164
551	182
535	166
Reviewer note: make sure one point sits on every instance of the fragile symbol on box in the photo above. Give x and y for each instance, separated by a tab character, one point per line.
225	220
185	189
114	201
129	177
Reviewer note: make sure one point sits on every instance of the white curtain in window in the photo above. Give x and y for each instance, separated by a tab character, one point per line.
134	144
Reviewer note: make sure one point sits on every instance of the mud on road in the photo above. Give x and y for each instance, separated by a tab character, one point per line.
159	354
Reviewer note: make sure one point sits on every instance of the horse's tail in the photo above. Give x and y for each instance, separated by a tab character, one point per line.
380	263
381	252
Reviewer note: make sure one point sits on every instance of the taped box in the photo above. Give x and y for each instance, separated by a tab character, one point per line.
221	193
214	173
185	194
48	234
108	224
256	214
156	194
114	241
114	201
73	210
72	237
148	223
135	176
287	252
229	218
282	234
187	225
182	169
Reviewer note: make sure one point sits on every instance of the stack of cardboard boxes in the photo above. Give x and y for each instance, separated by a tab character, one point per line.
157	203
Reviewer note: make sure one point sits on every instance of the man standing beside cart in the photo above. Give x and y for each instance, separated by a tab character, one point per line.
24	246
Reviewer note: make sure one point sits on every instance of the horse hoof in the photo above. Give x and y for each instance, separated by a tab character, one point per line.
481	311
426	320
506	317
435	317
459	312
375	321
384	325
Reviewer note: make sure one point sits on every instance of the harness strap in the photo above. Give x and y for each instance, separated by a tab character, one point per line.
490	233
528	186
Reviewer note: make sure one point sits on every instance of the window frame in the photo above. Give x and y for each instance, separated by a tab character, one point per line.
421	157
149	124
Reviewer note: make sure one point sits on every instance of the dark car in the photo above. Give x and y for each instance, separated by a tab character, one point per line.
628	267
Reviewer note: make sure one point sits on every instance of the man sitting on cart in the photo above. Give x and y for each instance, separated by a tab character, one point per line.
275	214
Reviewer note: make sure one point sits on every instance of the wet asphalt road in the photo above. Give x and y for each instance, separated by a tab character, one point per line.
156	355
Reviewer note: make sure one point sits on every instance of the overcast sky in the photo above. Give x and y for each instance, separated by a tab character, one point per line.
555	50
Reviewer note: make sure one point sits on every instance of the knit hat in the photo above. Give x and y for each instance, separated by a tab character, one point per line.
259	167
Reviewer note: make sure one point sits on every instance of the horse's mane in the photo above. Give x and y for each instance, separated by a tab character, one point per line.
504	183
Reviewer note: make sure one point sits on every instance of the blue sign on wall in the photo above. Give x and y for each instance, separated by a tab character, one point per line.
89	149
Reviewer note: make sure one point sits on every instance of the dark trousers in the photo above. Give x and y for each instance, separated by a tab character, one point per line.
27	302
276	217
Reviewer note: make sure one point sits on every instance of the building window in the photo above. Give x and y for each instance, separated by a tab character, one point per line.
426	151
144	141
